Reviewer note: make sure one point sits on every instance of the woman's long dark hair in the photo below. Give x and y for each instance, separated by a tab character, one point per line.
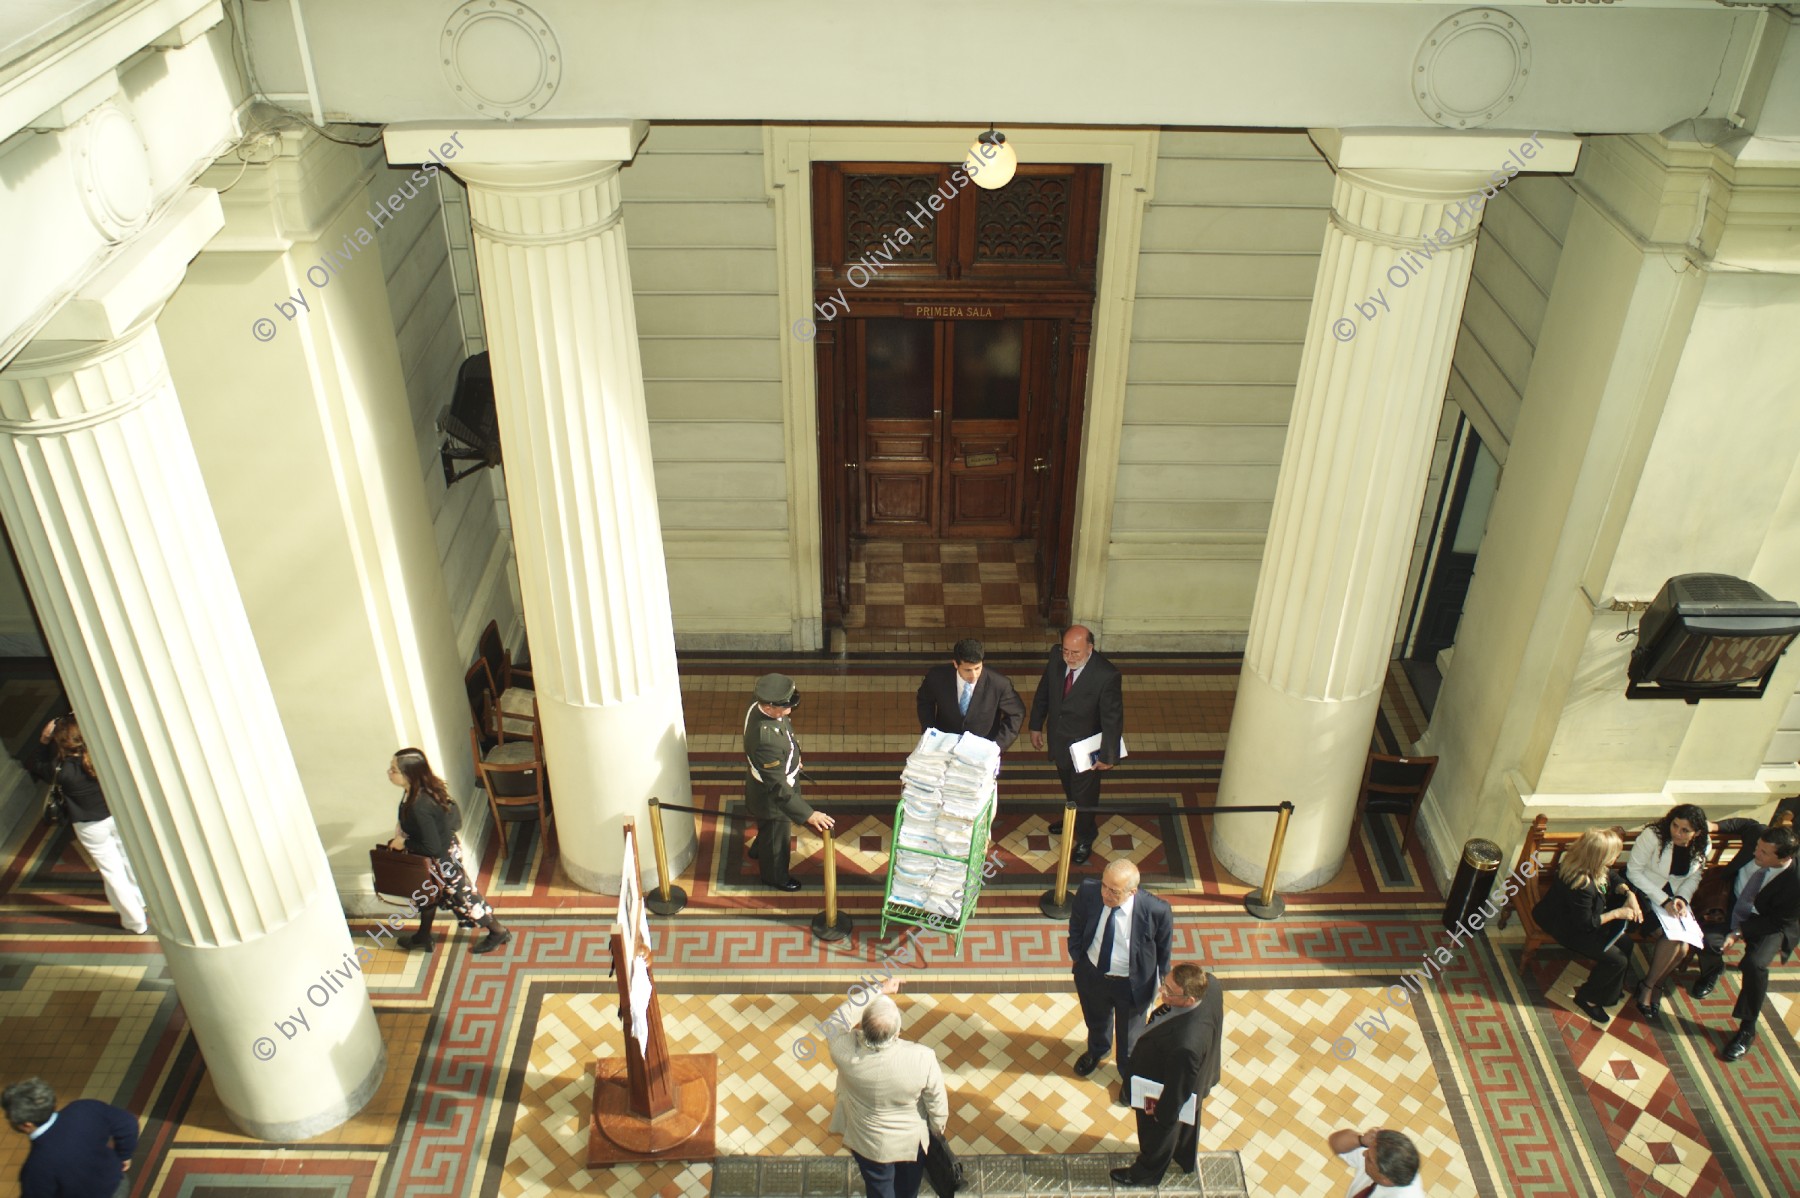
70	746
1694	818
419	779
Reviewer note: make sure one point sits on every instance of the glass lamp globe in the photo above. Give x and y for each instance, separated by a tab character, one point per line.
996	167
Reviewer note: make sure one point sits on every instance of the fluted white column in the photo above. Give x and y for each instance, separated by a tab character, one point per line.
117	541
1384	320
569	387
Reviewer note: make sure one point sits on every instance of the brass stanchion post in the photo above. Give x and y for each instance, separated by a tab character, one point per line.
667	898
1265	903
830	924
1055	903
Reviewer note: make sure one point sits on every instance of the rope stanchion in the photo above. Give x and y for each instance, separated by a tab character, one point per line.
1055	903
830	924
1265	903
667	898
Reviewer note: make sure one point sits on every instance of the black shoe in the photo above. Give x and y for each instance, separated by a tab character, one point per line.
1653	1008
1080	854
1738	1046
791	885
1124	1098
1125	1177
492	941
1704	986
419	940
1085	1064
1056	828
1594	1011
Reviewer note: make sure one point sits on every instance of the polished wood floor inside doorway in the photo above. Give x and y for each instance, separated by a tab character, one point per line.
916	594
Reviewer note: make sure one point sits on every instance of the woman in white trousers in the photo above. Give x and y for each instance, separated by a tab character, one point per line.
64	760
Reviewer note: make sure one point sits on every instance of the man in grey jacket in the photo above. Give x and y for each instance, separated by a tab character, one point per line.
890	1095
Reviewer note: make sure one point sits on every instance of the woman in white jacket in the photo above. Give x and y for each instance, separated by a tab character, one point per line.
1665	867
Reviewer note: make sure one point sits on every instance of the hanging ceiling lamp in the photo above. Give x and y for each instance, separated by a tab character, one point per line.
991	162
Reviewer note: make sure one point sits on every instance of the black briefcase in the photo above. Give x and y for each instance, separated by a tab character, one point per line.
942	1169
399	873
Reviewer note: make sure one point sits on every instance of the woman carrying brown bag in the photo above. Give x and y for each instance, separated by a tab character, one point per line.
427	826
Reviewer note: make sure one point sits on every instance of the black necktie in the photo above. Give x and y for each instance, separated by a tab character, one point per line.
1106	939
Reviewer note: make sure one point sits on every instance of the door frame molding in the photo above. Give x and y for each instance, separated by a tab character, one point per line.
1127	184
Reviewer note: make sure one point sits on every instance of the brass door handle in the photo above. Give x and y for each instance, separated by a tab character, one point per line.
849	465
1041	466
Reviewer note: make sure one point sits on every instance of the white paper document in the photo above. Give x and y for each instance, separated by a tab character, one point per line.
1083	752
1143	1087
1683	927
629	899
640	1004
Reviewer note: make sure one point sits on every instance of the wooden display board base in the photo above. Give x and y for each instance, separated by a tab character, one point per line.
687	1133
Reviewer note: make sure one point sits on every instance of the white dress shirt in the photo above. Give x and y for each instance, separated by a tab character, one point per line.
1120	965
1362	1181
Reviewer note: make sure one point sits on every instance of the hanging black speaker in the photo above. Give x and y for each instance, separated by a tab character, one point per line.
470	422
1710	636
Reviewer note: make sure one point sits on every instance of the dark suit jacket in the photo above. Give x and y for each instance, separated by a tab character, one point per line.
1572	914
995	709
82	1153
1182	1051
1096	704
1152	930
1777	907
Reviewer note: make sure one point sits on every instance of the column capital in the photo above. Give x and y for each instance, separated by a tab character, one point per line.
141	278
1459	152
579	144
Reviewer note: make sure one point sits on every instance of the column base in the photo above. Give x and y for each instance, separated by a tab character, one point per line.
1309	752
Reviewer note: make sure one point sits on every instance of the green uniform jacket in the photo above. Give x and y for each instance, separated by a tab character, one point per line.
772	751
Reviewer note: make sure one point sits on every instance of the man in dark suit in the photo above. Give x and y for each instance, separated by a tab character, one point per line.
1119	940
1763	911
81	1151
966	696
1080	694
1180	1047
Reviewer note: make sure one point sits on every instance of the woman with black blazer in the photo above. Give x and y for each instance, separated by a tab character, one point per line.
63	759
427	825
1664	870
1583	899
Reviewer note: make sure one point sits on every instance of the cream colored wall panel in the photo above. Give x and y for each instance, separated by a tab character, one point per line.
704	357
678	441
742	137
1202	446
656	270
729	587
1234	228
718	315
720	480
1187	482
1224	361
1177	597
1162	317
1192	518
1496	334
723	515
686	176
699	399
1234	143
1482	391
1209	403
1245	181
1288	276
748	222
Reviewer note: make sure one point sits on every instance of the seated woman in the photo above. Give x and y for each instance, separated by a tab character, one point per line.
1664	871
1583	899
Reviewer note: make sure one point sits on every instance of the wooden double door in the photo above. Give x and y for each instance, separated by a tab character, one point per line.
951	438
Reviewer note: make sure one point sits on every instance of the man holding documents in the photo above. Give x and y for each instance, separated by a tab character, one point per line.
1119	941
1173	1067
1079	696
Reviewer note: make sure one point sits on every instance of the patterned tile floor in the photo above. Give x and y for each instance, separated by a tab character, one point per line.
1505	1089
930	594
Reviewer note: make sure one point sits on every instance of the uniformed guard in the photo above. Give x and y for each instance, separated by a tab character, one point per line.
772	786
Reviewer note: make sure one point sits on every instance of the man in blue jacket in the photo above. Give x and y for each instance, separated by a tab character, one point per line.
81	1151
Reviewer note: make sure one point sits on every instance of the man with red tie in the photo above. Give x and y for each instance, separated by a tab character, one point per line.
1080	694
1386	1163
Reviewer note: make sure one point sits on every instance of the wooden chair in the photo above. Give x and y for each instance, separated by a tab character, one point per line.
513	776
514	700
479	686
1395	786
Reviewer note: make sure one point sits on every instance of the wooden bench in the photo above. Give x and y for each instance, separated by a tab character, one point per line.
1547	847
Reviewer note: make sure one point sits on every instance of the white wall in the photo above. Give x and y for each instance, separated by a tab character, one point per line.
1230	250
701	236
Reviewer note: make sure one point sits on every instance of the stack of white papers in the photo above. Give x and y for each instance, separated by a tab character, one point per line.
948	788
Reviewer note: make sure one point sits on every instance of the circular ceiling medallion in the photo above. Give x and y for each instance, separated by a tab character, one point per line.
1471	68
112	171
501	58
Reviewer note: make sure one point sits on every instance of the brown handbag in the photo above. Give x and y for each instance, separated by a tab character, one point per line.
398	872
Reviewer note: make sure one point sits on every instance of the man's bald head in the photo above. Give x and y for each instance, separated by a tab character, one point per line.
1077	646
1118	883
